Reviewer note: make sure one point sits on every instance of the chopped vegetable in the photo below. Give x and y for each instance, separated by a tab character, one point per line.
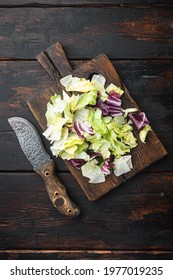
76	84
92	171
89	128
122	165
143	132
139	120
114	88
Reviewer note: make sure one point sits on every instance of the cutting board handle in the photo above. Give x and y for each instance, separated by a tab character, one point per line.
55	62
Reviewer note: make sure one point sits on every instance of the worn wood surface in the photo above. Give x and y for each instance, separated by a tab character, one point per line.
133	221
84	254
87	32
135	216
61	3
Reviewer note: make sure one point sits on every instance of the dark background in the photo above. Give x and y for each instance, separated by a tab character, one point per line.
134	221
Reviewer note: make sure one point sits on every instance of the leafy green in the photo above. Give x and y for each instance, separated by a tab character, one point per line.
76	84
92	171
122	165
88	98
114	88
143	132
90	126
97	121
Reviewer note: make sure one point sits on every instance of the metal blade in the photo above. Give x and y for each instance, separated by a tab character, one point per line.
30	141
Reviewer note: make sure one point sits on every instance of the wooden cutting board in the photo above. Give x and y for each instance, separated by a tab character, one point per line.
56	64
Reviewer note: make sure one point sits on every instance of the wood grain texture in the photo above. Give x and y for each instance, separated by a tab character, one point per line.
138	31
84	254
83	3
48	66
135	216
57	55
85	32
144	154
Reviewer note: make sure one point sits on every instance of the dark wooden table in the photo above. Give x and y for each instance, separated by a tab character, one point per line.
134	221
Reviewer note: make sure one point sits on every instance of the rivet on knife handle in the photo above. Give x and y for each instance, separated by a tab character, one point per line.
57	191
33	149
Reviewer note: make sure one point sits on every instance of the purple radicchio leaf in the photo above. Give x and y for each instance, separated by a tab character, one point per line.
103	107
139	119
77	162
111	107
114	99
80	127
107	166
94	155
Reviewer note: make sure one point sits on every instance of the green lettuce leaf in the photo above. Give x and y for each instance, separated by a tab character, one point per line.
98	82
97	121
92	171
73	102
76	84
75	152
52	114
58	146
114	88
88	98
53	132
102	146
122	165
143	132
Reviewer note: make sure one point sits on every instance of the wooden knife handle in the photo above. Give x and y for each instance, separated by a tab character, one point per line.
57	191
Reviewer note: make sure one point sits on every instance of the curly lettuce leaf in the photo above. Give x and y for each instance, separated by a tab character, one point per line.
73	102
53	132
76	84
92	171
143	133
58	146
88	98
122	165
102	147
97	122
98	82
114	88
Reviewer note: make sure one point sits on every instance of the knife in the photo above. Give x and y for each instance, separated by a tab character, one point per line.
33	149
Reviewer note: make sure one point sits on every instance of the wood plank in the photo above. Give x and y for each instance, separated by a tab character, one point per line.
86	255
81	2
19	80
13	158
86	32
153	80
144	154
136	216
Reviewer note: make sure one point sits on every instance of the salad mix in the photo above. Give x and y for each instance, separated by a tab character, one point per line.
91	130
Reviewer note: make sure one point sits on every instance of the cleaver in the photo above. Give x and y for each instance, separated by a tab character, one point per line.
33	149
